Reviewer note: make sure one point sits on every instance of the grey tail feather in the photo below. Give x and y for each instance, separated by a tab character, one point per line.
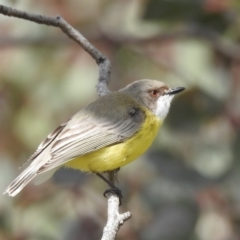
21	181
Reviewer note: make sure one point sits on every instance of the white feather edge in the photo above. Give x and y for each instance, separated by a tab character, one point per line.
29	173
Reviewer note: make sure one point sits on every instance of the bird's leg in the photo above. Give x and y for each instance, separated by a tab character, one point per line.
106	180
110	182
112	177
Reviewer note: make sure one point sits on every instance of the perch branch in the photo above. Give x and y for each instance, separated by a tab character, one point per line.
115	220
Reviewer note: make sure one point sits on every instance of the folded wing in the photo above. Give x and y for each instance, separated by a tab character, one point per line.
89	130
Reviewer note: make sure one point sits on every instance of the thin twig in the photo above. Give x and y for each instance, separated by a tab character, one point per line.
101	60
115	220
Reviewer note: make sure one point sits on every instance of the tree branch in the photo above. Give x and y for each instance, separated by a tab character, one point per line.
115	220
101	60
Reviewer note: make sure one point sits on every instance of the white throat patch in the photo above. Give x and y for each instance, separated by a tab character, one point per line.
163	105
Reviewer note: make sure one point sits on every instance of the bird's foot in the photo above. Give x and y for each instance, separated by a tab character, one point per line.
115	191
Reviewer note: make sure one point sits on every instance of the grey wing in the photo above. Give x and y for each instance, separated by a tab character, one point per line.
85	134
44	144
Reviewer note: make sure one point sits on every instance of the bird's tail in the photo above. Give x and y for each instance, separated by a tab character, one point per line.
28	174
21	181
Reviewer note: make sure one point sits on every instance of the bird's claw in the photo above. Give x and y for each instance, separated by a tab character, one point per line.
115	191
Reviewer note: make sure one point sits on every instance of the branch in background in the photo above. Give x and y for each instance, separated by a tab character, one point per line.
115	219
8	42
226	47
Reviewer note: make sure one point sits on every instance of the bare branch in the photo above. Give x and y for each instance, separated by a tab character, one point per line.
101	60
115	220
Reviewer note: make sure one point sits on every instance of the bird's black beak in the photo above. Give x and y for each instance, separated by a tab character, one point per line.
173	91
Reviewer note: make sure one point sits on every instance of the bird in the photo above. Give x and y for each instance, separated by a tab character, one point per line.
109	133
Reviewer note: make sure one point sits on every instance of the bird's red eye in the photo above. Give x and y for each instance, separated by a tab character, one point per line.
154	93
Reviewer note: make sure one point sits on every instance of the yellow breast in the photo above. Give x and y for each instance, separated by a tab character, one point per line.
118	155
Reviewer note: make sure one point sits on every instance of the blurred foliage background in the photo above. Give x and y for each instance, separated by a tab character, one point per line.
186	187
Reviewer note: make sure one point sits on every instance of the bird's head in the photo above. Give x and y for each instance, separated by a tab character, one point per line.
153	94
